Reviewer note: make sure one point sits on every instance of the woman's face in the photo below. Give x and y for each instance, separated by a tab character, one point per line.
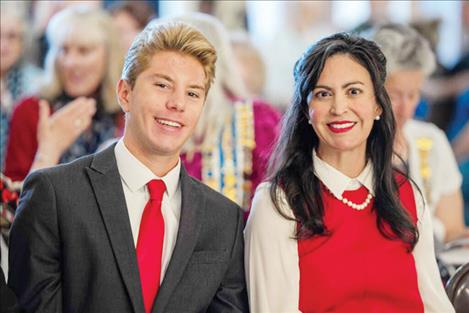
342	106
404	88
11	42
127	27
81	65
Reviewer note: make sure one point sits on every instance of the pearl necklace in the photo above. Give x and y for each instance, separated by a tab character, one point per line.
355	206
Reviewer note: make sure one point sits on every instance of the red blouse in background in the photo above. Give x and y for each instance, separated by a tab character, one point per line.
22	140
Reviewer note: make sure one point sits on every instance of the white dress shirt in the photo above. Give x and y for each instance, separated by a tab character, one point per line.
134	177
271	257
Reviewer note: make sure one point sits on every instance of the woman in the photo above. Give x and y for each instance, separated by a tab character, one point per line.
83	66
423	146
250	63
17	77
336	229
130	18
233	139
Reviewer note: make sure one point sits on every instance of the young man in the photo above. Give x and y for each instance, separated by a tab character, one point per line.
126	229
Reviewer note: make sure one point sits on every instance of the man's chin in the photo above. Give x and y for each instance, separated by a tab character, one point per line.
167	150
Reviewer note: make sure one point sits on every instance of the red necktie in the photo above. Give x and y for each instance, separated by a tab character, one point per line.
150	243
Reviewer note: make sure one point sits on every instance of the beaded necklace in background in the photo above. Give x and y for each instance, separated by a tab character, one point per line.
227	166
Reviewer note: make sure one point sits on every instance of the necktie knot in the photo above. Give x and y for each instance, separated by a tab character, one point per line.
156	187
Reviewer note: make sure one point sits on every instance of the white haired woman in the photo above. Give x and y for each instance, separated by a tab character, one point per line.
83	66
424	147
232	142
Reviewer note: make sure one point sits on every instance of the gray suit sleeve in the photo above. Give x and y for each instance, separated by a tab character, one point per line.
34	258
231	296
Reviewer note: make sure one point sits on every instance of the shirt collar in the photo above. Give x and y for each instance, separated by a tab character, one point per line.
338	182
136	175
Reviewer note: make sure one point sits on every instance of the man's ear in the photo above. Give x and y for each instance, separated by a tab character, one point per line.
124	91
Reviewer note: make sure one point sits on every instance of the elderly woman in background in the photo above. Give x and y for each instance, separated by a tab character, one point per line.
83	66
337	228
423	147
130	18
250	63
17	77
233	139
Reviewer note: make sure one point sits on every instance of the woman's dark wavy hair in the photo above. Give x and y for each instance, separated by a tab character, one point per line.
291	164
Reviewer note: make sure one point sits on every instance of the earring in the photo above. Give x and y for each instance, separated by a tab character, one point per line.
377	118
309	122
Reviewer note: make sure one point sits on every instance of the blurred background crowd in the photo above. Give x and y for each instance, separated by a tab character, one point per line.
60	62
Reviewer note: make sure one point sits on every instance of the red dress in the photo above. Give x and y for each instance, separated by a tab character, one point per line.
358	270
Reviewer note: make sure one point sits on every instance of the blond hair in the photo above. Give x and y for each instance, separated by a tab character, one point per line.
227	86
178	37
97	25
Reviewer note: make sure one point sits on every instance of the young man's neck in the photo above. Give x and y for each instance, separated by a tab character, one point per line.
160	165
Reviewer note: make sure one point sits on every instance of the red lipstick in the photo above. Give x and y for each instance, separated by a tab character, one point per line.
341	126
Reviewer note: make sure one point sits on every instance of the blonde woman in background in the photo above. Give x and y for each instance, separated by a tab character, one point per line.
83	65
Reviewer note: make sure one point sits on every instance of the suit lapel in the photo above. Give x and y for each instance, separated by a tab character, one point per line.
107	186
191	205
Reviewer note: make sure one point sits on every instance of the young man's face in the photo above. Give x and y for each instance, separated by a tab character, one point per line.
164	105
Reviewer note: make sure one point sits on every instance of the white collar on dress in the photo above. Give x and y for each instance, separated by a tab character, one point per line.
136	175
338	182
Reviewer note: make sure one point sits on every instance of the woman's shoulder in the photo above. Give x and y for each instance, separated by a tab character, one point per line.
262	203
403	181
404	184
27	101
263	190
418	129
427	136
27	106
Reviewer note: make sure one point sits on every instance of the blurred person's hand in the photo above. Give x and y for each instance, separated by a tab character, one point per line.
57	132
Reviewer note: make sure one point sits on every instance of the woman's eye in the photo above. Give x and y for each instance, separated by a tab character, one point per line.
354	91
321	94
64	50
84	50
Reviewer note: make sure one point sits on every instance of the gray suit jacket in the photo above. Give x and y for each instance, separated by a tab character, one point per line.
71	247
